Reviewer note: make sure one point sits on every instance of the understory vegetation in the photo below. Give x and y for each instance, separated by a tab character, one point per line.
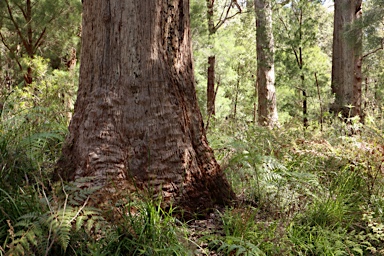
299	192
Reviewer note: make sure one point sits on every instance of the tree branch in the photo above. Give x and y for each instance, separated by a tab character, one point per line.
375	50
4	42
25	43
222	13
11	50
289	36
22	10
39	40
227	17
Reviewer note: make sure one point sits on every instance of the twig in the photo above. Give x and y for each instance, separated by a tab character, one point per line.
375	50
227	17
81	208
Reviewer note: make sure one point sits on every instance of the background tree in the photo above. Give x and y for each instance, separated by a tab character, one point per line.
303	40
267	110
136	119
373	45
233	46
347	59
30	28
226	14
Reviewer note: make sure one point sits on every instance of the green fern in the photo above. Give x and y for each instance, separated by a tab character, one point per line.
41	233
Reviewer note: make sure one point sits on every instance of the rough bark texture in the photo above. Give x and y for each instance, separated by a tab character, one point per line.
346	59
267	111
136	121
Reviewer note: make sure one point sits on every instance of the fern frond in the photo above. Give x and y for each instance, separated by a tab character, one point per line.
271	176
80	222
31	236
53	225
63	235
27	218
18	250
90	225
38	139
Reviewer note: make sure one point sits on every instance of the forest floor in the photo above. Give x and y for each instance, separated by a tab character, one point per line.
299	192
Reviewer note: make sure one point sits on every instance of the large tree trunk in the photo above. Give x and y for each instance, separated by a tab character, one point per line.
346	59
136	121
267	111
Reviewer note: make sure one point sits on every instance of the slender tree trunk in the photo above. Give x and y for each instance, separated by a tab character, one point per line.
136	120
366	96
346	59
267	110
211	86
321	119
305	109
211	62
211	23
212	28
28	77
236	93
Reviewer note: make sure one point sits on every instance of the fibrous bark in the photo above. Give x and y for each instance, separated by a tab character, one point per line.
136	121
346	59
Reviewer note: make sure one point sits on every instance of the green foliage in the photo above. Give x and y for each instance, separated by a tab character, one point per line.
41	224
60	222
235	246
372	236
33	125
144	228
317	240
373	39
302	192
303	46
276	187
234	46
48	27
245	233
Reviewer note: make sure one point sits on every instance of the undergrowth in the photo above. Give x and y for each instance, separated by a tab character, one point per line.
303	192
299	191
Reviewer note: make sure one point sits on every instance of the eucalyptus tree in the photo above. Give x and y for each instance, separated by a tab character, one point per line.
267	109
347	59
136	122
373	57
